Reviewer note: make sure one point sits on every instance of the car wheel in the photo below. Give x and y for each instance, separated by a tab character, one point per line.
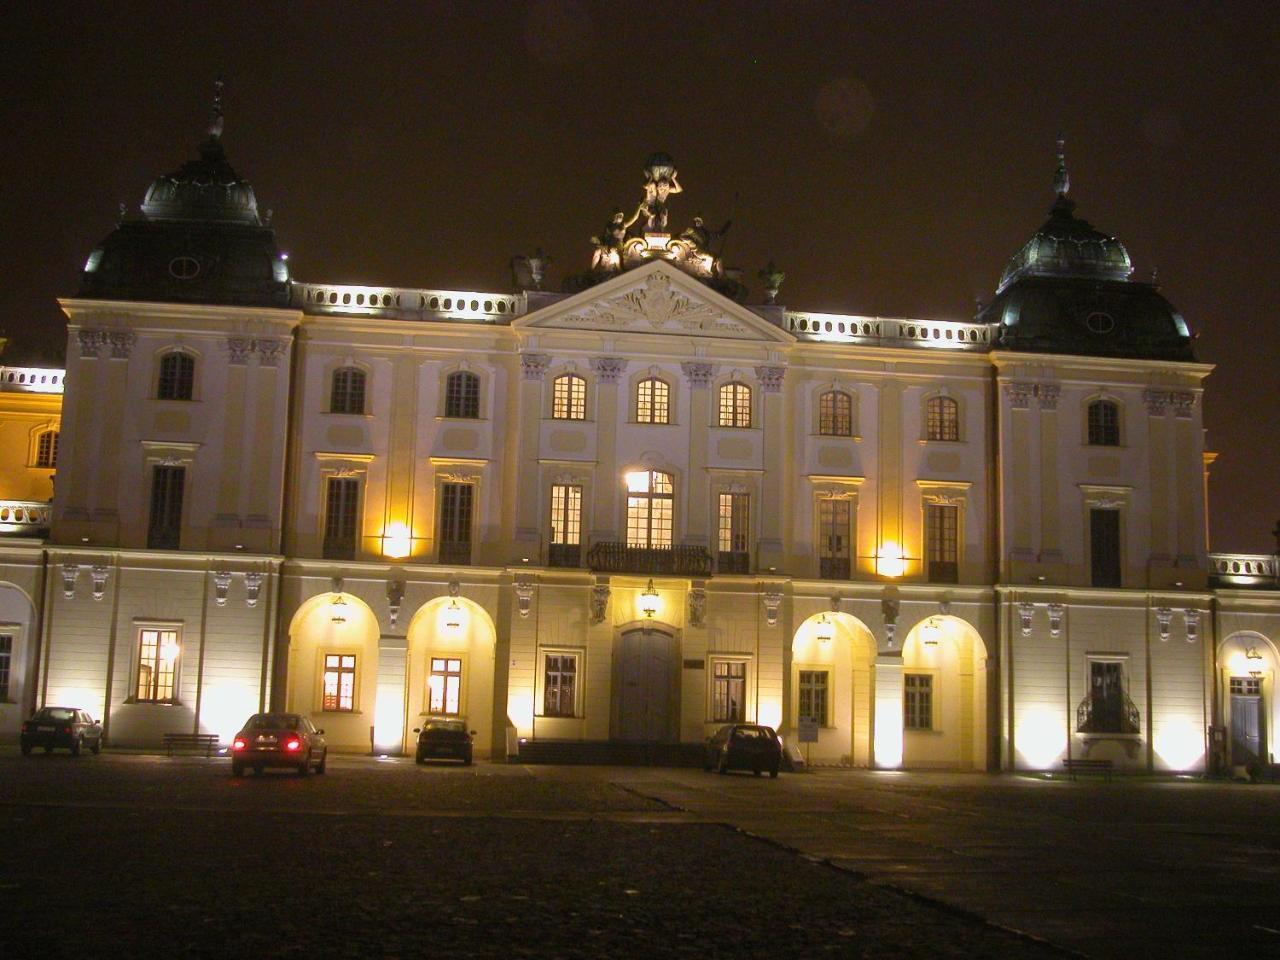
26	749
324	760
237	769
304	767
419	758
755	771
75	746
723	766
466	761
97	747
773	772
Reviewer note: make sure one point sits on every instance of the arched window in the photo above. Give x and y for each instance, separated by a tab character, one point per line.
47	449
942	419
177	376
835	414
650	498
569	398
347	393
1104	424
462	396
653	401
735	405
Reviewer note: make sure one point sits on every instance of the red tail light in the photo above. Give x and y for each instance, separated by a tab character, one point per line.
26	727
293	744
66	729
239	743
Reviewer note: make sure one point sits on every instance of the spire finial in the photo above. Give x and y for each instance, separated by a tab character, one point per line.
215	115
1061	182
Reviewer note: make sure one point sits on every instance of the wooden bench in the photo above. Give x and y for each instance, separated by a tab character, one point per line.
1074	765
208	742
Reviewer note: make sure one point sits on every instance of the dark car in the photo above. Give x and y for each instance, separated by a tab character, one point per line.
279	740
743	746
444	739
68	727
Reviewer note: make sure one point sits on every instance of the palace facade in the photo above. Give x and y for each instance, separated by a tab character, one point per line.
627	513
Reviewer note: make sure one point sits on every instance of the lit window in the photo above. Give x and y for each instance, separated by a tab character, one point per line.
942	419
1104	424
339	682
6	661
47	449
444	686
177	376
735	405
653	401
650	500
917	701
569	398
347	393
559	685
157	665
732	536
462	396
813	696
835	414
728	690
566	525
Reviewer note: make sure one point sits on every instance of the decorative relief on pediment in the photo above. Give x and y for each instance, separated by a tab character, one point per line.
657	305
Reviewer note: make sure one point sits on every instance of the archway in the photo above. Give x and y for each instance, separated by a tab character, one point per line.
832	681
450	668
1246	674
333	667
944	696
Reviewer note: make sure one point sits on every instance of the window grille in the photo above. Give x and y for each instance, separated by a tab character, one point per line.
6	665
444	686
733	537
650	505
566	525
833	539
813	696
157	665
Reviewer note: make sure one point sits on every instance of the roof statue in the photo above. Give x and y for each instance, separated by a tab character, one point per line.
659	184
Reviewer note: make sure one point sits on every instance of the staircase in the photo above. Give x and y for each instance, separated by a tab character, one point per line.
616	753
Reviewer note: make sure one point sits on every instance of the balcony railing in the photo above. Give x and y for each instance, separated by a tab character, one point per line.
1108	715
678	560
833	568
24	517
455	552
733	561
564	555
1244	569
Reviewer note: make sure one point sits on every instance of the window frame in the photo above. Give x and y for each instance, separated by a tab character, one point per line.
1120	663
343	393
177	385
832	562
464	402
733	531
658	403
825	672
940	569
451	549
736	413
1106	429
942	419
831	418
564	514
172	500
8	645
333	546
1112	564
728	681
573	404
927	691
46	457
650	497
447	657
159	628
574	706
341	670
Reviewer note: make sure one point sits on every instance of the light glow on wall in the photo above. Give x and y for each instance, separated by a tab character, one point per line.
520	708
225	705
888	743
1180	744
638	481
769	711
397	541
1040	736
889	560
388	724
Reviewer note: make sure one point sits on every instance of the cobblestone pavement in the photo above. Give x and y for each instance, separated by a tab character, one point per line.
144	856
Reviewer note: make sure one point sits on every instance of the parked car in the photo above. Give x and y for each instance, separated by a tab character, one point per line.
279	740
743	746
68	727
438	738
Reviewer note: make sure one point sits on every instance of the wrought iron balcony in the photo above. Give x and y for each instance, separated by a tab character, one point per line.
564	555
678	560
1108	715
733	561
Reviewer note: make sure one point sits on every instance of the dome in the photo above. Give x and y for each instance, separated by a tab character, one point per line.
1067	246
207	189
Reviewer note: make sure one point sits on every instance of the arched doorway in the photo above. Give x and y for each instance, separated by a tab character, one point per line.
333	667
646	683
832	682
1246	677
944	696
450	668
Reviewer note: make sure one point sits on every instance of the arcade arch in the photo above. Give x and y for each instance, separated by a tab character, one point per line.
944	693
450	669
832	675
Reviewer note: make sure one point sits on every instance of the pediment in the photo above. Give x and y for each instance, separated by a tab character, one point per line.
655	299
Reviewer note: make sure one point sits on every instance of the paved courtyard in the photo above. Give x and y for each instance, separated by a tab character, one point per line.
139	854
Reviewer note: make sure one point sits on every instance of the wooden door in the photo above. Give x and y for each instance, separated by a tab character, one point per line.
645	689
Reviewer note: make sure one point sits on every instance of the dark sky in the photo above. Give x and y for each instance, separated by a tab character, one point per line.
889	156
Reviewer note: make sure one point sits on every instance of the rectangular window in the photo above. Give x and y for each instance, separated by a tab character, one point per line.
560	685
833	539
733	539
1240	686
941	523
653	401
917	701
1104	548
569	398
47	449
342	501
728	691
339	682
813	696
157	664
456	500
1107	709
6	663
164	529
566	525
444	686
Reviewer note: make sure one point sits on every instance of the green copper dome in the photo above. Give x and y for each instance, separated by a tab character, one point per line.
1067	246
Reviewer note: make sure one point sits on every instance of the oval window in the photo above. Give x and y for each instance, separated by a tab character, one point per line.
1099	322
184	268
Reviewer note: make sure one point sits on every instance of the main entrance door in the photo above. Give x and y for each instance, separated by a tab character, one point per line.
645	690
1246	721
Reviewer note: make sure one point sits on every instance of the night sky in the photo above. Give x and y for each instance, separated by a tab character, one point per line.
890	157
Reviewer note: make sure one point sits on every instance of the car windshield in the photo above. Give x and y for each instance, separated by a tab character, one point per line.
451	726
56	713
272	721
751	733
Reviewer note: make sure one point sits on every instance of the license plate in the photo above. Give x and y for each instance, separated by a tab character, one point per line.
45	729
262	739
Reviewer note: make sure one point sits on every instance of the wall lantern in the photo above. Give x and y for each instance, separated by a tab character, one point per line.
931	632
825	629
338	609
889	560
1255	662
397	541
453	615
649	600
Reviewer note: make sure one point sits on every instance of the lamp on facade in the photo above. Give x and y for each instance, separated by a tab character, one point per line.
169	650
338	609
1255	662
931	632
649	600
825	630
397	541
889	560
